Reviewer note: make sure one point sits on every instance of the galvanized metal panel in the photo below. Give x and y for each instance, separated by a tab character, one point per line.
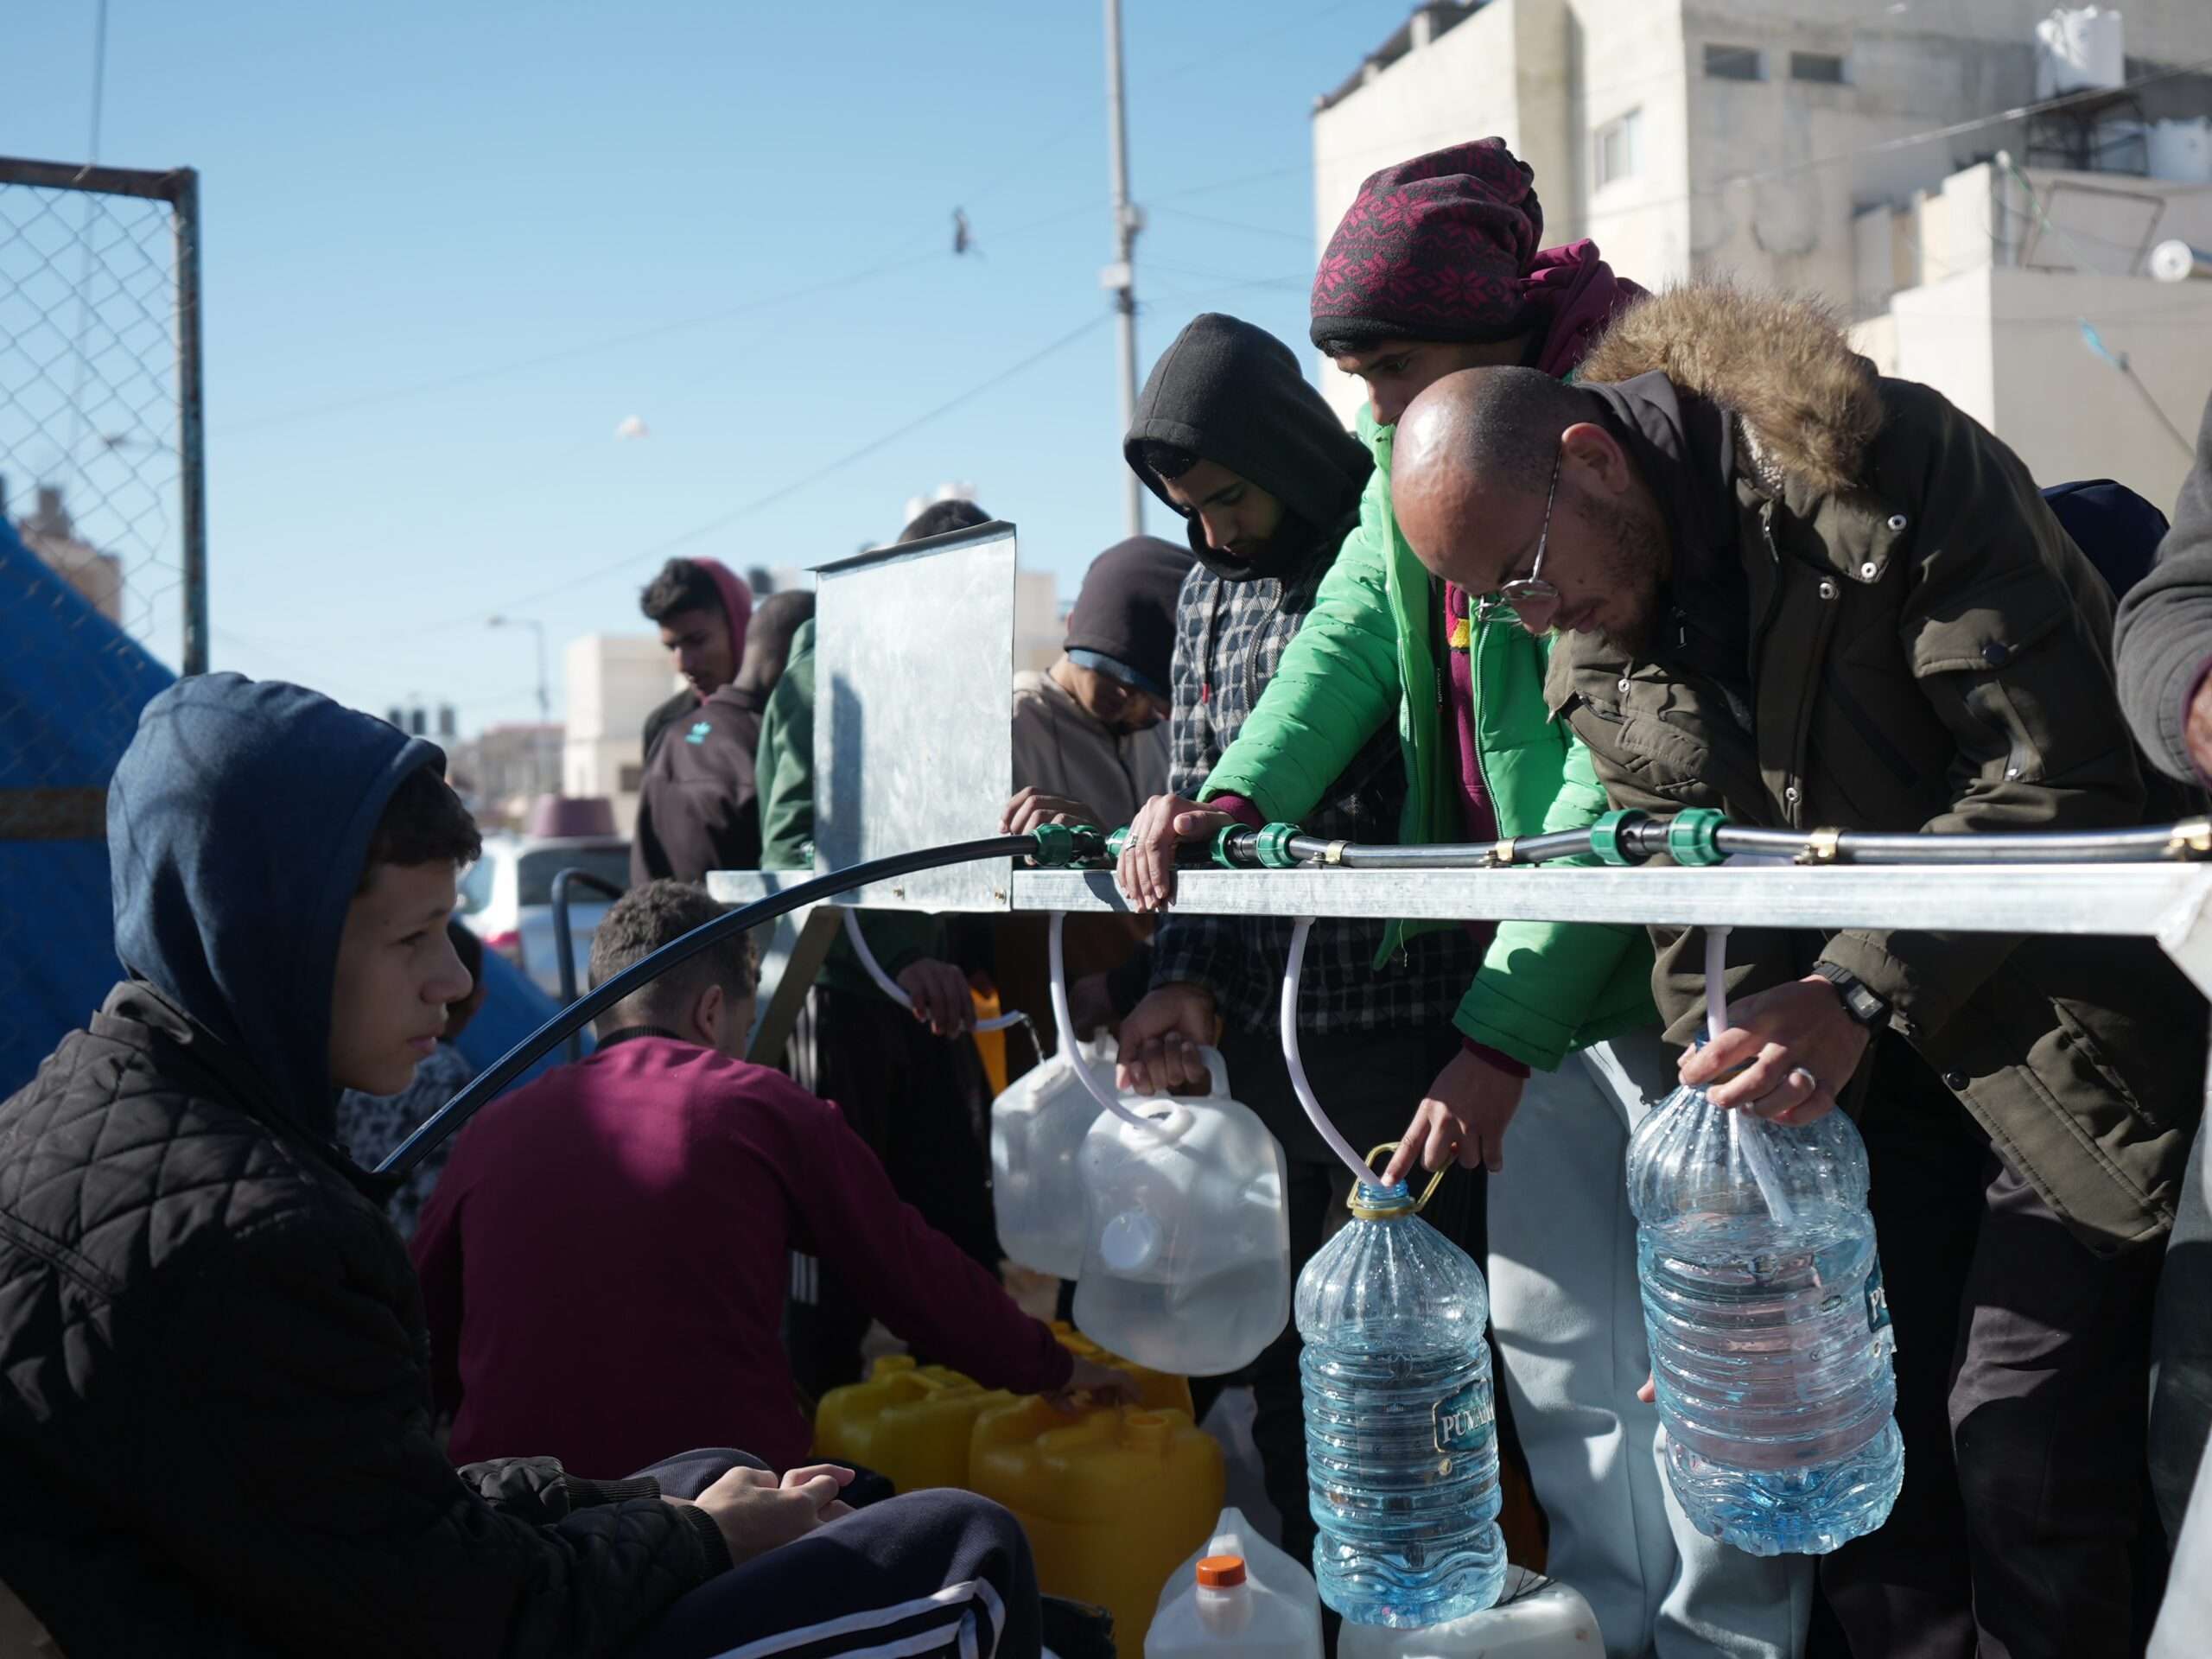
913	741
2093	899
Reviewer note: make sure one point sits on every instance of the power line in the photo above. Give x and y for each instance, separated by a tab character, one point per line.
722	521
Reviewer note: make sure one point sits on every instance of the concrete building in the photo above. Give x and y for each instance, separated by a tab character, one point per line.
2019	292
1696	138
503	769
615	680
49	532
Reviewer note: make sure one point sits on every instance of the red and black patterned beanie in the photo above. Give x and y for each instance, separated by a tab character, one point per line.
1434	249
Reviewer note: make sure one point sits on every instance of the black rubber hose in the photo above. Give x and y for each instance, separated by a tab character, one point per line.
526	1053
2138	846
1441	855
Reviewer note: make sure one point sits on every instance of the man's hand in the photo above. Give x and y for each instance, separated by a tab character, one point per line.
940	993
2197	730
1796	1045
1032	806
1463	1117
1102	1384
1162	824
1159	1043
1091	1004
756	1513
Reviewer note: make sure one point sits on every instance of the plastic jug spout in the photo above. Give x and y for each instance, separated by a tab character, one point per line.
1129	1242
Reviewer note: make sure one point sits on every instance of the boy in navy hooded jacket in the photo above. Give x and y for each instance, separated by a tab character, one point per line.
215	1425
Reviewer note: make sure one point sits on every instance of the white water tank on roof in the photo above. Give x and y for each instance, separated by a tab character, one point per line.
2079	49
2180	152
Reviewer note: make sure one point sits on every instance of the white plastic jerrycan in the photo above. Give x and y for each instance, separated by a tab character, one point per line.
1037	1129
1238	1596
1280	1574
1186	1263
1536	1618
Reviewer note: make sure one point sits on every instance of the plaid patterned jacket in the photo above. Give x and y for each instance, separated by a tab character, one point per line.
1229	636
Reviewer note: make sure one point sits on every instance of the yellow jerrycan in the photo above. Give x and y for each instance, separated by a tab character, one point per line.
909	1423
1114	1499
1155	1390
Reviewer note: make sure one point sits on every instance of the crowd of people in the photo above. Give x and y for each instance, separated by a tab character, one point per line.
1588	548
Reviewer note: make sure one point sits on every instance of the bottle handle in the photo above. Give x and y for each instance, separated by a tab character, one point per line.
1217	1072
1421	1204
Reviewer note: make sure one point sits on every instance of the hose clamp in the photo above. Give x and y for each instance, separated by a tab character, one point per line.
1334	852
1821	846
1606	835
1694	837
1273	846
1501	855
2192	838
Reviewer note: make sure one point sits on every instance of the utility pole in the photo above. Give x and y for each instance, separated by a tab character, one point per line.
1120	276
544	702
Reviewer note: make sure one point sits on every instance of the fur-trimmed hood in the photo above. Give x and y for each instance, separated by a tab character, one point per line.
1810	406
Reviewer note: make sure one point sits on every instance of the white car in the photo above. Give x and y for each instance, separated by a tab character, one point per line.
506	900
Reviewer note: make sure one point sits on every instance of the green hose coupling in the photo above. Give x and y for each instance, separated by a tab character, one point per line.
1273	846
1221	839
1062	845
1605	835
1115	841
1694	837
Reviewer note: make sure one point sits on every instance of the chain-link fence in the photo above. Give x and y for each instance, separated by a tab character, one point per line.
103	559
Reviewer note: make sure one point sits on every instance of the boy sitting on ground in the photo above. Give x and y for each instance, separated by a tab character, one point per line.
215	1430
650	1192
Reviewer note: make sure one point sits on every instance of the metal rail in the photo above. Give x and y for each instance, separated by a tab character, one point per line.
565	939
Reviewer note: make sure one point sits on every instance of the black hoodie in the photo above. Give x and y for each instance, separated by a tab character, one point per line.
1232	394
215	1427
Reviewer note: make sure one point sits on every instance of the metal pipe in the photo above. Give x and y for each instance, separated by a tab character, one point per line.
519	1059
191	431
564	940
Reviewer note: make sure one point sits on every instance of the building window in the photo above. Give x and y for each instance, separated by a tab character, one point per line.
1731	63
1821	67
1616	148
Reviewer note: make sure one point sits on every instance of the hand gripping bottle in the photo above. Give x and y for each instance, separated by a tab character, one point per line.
1770	1340
1401	1441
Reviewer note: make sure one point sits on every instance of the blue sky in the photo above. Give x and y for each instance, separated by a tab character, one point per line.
583	211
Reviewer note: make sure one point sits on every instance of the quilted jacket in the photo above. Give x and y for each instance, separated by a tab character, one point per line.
215	1430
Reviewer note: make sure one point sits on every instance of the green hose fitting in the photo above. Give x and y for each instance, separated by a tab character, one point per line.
1693	839
1115	841
1221	846
1061	846
1606	835
1273	846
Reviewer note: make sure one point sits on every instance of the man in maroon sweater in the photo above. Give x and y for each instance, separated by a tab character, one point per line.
604	1261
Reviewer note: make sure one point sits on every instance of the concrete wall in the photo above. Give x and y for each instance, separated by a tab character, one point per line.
2006	346
614	681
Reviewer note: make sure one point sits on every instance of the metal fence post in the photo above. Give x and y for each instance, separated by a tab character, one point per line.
191	429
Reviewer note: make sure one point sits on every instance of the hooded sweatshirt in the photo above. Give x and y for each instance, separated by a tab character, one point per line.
215	1432
1232	394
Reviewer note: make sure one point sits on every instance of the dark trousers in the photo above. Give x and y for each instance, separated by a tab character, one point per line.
919	1102
2022	1363
2181	1347
936	1574
1369	1083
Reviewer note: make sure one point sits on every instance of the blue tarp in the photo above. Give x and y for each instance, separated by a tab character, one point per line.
71	684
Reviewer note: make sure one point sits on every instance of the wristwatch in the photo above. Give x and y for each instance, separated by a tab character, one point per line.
1860	1000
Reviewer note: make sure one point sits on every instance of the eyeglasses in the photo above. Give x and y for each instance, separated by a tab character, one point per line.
1533	589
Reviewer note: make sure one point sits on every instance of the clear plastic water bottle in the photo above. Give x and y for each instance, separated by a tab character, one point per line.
1401	1433
1771	1339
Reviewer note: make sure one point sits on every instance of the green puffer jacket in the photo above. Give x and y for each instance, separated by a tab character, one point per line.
1544	988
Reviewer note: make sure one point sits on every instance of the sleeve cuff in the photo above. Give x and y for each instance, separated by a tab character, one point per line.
590	1494
714	1549
2194	684
1503	1062
1244	811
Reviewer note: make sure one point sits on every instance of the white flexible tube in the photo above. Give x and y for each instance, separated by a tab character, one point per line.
1293	971
1747	1130
892	988
1055	948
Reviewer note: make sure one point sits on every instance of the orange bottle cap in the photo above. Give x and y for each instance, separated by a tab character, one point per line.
1221	1571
